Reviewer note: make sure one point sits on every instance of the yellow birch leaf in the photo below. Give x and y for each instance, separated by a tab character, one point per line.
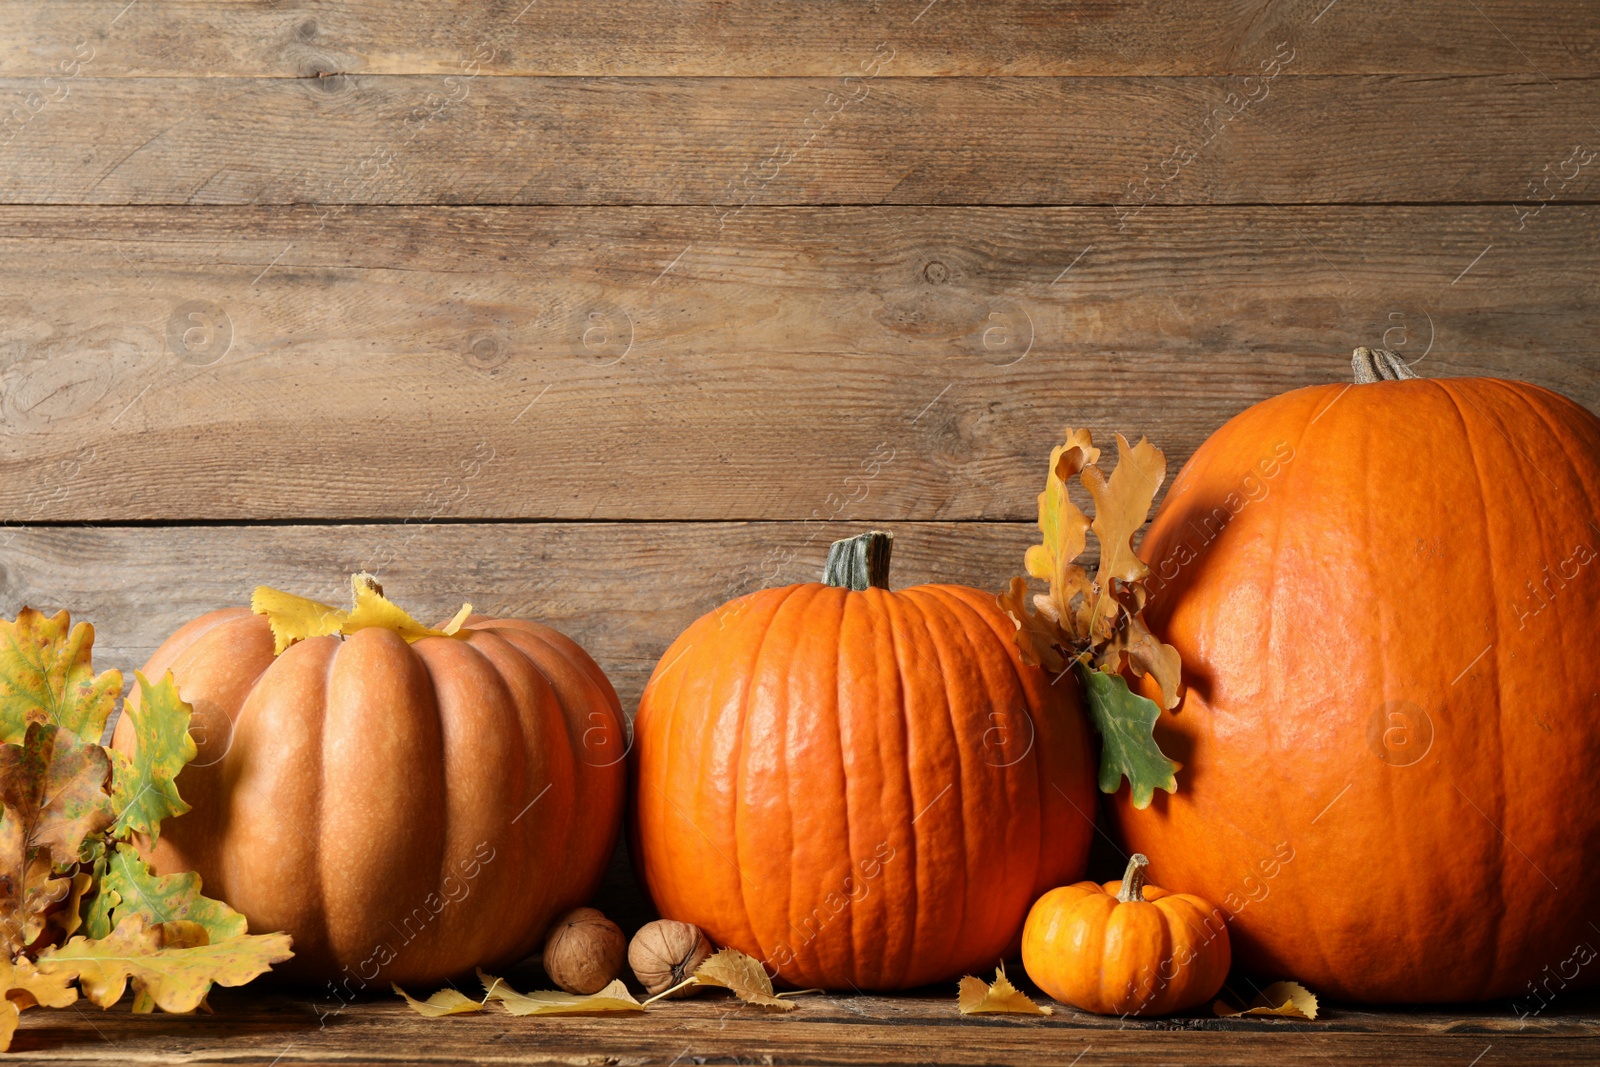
446	1001
294	618
999	996
614	997
733	970
1291	1000
1121	504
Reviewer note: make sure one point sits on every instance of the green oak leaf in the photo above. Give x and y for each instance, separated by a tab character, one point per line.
1126	722
175	898
45	676
144	786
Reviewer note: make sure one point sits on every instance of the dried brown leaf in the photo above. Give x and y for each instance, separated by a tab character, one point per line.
614	997
1121	505
1038	637
999	996
446	1001
732	969
1290	1000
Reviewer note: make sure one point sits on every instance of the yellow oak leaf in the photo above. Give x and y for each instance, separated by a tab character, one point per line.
614	997
1290	1000
173	978
446	1001
732	969
296	618
1000	996
1065	529
1121	505
45	676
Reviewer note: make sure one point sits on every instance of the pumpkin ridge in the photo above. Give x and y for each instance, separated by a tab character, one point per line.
939	638
551	700
958	607
1494	658
675	721
844	778
781	703
903	966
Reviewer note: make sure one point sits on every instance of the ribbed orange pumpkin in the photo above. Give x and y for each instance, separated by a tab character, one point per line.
860	788
405	811
1126	948
1387	602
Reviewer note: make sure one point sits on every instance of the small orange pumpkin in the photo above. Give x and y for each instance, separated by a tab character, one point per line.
1126	948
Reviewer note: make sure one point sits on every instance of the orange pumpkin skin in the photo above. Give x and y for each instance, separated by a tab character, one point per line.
1387	604
406	812
858	788
1164	953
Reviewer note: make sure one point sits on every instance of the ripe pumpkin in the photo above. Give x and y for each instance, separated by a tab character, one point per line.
860	788
1126	948
405	811
1386	600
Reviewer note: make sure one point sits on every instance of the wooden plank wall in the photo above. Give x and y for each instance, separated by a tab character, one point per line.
603	311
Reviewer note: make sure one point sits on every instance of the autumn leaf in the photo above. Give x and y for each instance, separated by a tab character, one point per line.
173	898
614	997
45	676
174	979
1126	722
1290	1000
296	618
733	970
1037	636
446	1001
24	987
1065	530
999	996
53	788
144	786
1094	624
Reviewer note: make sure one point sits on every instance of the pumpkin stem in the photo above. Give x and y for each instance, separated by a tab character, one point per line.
860	561
1379	365
1132	890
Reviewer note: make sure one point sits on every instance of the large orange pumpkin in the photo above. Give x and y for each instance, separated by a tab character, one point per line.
406	811
1388	606
861	788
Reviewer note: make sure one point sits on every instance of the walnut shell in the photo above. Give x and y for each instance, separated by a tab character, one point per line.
583	951
665	952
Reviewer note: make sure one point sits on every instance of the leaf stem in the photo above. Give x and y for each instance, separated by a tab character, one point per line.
689	981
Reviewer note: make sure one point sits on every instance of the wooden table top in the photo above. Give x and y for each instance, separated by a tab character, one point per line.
284	1027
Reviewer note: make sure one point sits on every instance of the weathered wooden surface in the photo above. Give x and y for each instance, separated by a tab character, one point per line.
300	1027
622	590
577	363
888	140
307	38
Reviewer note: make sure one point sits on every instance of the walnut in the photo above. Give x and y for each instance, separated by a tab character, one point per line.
583	951
665	952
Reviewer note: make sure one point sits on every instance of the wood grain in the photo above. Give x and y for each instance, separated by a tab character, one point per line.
622	590
244	363
817	37
727	141
290	1027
